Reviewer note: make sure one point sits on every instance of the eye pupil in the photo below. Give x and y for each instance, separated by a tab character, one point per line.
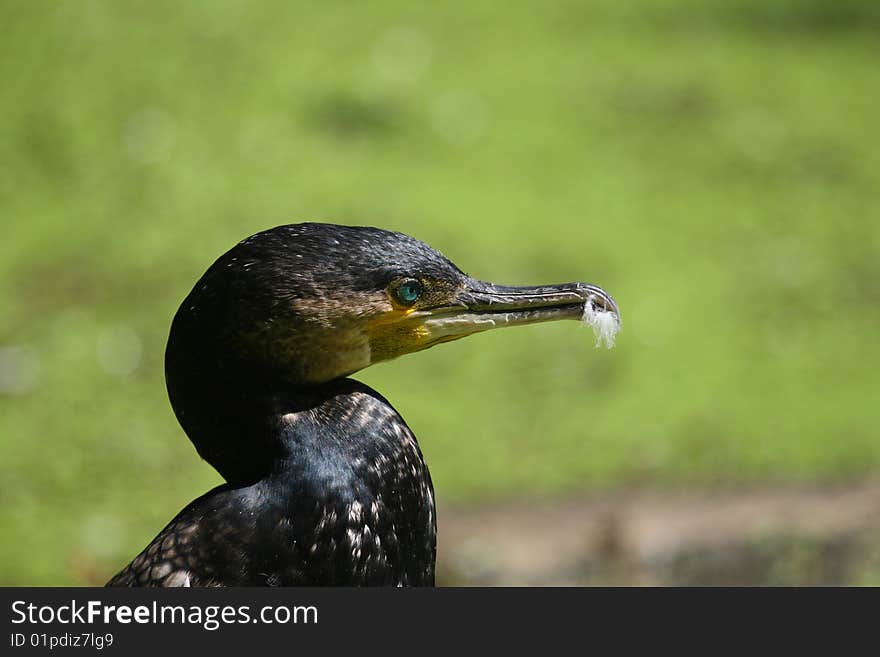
409	291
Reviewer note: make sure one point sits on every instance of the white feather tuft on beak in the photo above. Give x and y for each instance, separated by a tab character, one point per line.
605	324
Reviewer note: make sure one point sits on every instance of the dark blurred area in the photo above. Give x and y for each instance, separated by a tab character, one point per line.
712	164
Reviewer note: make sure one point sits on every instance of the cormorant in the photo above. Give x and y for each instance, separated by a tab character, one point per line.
325	482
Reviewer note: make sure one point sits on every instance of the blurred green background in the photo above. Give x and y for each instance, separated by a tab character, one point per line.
714	164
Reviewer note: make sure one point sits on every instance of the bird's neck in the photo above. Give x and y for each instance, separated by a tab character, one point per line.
246	425
237	408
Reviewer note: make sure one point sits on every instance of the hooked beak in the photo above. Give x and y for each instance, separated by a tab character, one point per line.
481	306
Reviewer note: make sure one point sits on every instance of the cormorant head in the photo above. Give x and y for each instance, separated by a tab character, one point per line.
308	303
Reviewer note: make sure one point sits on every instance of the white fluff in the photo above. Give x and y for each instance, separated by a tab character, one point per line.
605	324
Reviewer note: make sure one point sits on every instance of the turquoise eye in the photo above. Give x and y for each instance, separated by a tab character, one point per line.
409	292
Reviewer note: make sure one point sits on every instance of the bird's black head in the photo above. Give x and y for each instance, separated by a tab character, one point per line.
309	303
301	305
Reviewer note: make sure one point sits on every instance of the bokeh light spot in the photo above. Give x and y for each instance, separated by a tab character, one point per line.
402	54
459	117
119	350
149	136
19	370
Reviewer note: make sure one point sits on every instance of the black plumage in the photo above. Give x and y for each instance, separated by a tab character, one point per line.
325	482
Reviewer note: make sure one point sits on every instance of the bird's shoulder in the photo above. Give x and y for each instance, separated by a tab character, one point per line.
178	556
352	504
